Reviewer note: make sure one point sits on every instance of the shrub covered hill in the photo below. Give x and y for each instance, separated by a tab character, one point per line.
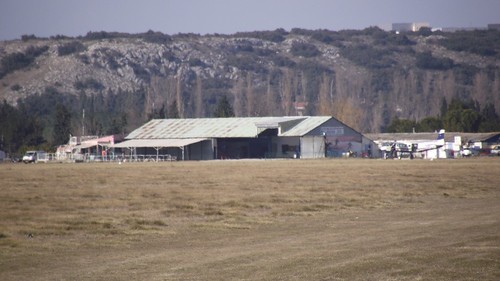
366	78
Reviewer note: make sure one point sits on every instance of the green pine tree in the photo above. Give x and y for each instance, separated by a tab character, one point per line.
62	126
224	108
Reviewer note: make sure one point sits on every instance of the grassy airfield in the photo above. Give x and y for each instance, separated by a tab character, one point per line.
342	219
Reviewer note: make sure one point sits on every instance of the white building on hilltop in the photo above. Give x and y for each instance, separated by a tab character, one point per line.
407	27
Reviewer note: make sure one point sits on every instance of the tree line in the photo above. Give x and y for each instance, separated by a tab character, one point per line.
458	116
47	120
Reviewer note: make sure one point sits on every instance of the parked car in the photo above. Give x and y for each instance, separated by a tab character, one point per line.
33	156
467	152
495	150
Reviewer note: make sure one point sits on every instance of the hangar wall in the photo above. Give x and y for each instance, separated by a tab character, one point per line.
312	147
333	139
203	150
285	147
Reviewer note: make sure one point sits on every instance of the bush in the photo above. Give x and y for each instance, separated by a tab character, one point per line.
97	35
425	60
276	36
382	80
84	59
401	126
464	74
263	52
156	37
196	62
400	40
13	62
17	60
89	83
34	52
368	56
322	37
70	48
248	63
484	43
244	48
110	56
283	61
25	37
430	124
313	69
304	50
140	72
15	87
301	31
425	31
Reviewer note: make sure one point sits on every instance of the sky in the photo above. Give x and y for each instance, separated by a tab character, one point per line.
45	18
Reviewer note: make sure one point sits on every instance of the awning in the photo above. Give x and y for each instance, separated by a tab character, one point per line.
85	145
156	143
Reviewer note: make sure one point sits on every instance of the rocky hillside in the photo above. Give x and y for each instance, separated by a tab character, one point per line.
364	78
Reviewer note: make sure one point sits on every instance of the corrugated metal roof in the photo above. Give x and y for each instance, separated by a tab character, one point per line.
157	143
306	126
275	122
219	127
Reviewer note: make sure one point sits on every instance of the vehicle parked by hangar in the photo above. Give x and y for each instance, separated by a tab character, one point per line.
495	150
35	156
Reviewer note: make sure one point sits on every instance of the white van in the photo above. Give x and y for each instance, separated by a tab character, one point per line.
495	150
33	156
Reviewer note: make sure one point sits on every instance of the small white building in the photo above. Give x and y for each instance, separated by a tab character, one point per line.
409	26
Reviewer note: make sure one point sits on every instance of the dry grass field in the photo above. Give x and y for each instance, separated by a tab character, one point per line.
252	220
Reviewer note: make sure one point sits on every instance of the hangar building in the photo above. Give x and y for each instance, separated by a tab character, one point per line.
253	137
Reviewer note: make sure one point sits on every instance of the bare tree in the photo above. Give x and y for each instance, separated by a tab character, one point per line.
250	96
270	106
325	96
156	93
286	93
199	108
347	111
179	98
238	103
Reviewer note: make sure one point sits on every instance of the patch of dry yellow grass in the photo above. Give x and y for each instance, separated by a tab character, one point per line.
111	199
112	205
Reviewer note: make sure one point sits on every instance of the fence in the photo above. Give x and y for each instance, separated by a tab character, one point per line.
53	157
